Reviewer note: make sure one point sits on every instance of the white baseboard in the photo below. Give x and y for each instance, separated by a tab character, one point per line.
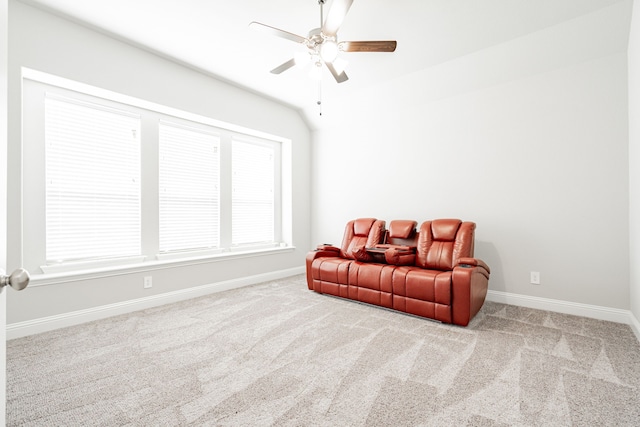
635	325
44	324
567	307
36	326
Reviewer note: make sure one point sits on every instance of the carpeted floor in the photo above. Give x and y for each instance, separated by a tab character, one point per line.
279	354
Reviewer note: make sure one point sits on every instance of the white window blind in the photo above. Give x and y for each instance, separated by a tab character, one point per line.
189	188
92	169
252	207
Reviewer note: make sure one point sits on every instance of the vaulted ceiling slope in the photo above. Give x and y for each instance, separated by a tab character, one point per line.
213	36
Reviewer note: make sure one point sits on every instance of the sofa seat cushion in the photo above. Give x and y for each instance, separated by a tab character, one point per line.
371	283
422	292
330	275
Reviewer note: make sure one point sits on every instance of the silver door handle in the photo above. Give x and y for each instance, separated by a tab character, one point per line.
18	280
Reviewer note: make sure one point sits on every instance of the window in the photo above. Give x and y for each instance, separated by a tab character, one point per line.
253	193
189	188
110	180
92	181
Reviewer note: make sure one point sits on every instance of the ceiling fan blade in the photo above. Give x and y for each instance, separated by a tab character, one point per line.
371	46
338	11
342	77
277	32
284	67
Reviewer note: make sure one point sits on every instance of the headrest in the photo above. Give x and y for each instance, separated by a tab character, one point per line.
401	228
362	226
445	229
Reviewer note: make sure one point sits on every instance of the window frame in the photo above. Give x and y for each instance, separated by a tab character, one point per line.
210	133
277	183
33	192
62	179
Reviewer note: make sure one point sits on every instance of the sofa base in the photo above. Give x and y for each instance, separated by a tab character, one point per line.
428	294
388	309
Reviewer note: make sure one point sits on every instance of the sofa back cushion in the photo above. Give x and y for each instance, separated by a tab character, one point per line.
402	232
362	232
442	241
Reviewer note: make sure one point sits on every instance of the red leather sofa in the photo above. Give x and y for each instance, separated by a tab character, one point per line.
428	272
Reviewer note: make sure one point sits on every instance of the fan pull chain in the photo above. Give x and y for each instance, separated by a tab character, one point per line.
320	97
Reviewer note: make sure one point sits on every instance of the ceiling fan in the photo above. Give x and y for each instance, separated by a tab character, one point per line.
322	43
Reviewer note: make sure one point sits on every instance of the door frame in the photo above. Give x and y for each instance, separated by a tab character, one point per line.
4	59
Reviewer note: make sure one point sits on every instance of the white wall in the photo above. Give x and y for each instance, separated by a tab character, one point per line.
41	41
634	159
528	139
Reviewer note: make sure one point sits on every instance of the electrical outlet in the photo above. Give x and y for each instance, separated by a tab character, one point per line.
148	282
535	277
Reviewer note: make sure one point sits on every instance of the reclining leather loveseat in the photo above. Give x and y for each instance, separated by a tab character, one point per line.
428	272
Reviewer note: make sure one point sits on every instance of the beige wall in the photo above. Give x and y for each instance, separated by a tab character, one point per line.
527	138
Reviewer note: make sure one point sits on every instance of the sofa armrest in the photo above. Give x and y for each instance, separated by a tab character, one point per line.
326	251
360	254
327	247
473	262
470	279
402	255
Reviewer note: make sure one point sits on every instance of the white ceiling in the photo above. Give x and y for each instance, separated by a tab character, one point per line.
213	35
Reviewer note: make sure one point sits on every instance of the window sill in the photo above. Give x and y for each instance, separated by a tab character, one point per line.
76	275
70	267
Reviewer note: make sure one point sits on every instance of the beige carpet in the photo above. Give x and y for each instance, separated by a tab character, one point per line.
279	354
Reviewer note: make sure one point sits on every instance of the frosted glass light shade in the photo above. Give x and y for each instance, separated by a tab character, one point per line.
329	50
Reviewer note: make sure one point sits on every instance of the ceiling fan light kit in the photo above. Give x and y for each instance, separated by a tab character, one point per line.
322	43
329	50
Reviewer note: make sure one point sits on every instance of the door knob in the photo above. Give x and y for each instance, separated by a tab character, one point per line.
18	280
